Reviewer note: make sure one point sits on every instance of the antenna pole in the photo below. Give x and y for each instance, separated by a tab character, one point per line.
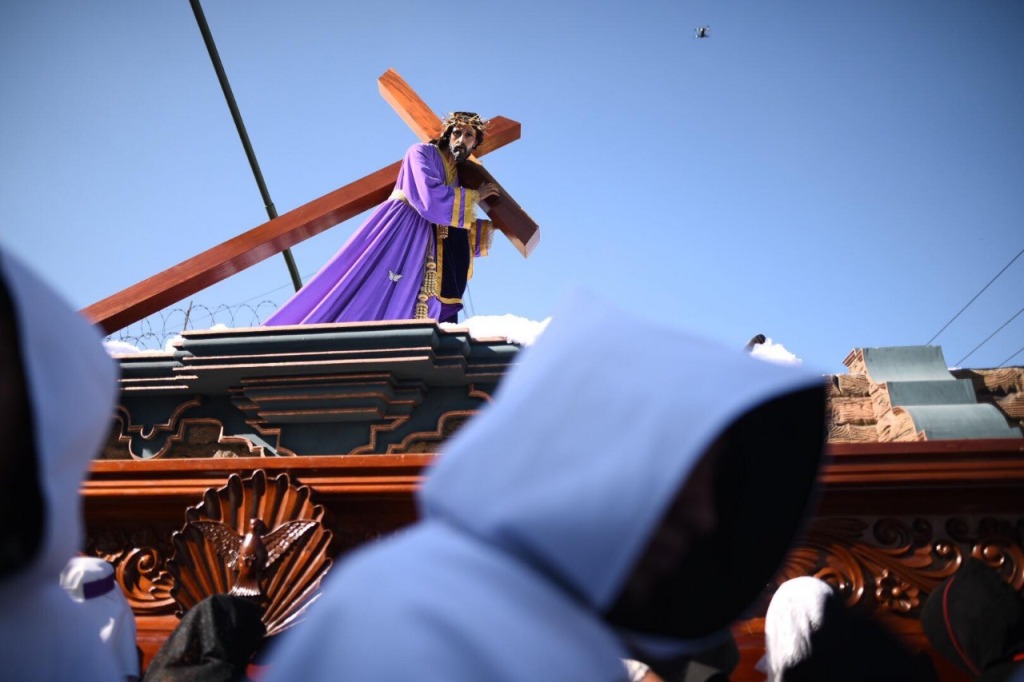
240	126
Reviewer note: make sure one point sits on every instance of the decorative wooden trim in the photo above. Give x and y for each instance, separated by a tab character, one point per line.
939	464
333	475
139	556
893	520
892	564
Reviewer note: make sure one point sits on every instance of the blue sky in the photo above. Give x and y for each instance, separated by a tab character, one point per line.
833	175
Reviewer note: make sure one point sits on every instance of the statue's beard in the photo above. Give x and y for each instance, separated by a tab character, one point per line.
459	153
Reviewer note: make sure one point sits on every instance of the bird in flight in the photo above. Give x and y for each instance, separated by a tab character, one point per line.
701	32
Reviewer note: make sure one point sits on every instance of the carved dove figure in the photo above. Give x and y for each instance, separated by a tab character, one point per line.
254	554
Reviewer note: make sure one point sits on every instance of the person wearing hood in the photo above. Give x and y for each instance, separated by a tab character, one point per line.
57	392
628	494
976	620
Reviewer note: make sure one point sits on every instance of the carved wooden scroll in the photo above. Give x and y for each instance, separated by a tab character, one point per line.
139	557
891	564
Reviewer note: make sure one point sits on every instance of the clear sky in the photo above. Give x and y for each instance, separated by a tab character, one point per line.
833	175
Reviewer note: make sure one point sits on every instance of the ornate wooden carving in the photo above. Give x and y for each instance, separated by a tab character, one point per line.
139	557
289	585
945	499
891	564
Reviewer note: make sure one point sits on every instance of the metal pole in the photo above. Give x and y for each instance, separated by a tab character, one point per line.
237	116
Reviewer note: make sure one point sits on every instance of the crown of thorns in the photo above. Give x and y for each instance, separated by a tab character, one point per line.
465	118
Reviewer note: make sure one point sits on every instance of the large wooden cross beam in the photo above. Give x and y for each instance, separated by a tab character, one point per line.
272	237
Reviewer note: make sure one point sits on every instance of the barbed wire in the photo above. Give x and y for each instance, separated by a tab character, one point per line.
153	332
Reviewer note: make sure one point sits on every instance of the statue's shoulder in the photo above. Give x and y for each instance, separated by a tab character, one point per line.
423	153
425	148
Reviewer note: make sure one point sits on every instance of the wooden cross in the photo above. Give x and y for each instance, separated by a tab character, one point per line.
220	262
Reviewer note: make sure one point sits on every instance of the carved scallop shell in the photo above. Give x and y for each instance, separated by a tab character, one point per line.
290	585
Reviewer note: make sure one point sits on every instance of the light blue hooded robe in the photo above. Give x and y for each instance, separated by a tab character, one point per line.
71	385
536	512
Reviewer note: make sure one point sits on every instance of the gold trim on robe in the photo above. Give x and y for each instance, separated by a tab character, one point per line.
464	202
472	197
456	207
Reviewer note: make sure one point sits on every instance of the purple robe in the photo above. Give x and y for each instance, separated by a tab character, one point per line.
379	273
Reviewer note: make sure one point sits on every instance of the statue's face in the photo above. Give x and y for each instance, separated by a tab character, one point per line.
462	141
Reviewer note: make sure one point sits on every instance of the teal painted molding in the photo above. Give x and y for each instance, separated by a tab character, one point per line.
312	390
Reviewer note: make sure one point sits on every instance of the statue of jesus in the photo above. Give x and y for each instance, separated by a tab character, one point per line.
414	255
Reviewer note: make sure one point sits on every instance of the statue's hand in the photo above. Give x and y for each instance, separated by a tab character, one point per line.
487	190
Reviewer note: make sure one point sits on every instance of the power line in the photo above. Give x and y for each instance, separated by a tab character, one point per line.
957	363
1019	351
975	298
272	291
